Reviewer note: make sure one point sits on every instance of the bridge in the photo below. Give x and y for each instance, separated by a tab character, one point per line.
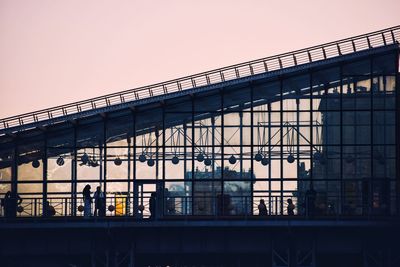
288	160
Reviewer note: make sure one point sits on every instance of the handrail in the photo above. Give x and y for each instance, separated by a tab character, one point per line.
358	43
186	206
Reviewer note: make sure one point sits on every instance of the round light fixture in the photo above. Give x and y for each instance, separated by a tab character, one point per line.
150	162
290	158
207	162
258	157
200	157
175	160
117	161
60	161
232	159
142	158
35	164
265	161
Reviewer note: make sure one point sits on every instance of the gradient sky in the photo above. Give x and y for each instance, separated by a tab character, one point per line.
55	52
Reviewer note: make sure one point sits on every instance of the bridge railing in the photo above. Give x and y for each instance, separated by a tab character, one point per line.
211	207
312	54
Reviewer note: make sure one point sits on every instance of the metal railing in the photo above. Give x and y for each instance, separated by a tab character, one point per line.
312	54
206	207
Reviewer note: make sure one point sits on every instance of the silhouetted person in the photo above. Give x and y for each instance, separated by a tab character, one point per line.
10	203
311	196
87	200
99	202
152	205
262	208
290	207
48	210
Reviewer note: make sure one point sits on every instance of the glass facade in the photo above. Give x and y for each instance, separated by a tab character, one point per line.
326	139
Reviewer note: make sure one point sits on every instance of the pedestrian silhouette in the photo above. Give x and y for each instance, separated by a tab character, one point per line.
99	202
87	200
262	208
10	202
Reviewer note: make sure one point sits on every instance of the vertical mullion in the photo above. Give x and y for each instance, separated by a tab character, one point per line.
135	191
193	154
185	176
251	149
341	186
212	146
223	143
163	145
104	155
298	136
44	161
241	142
311	186
14	171
157	134
163	153
269	159
281	144
128	139
397	92
371	179
74	172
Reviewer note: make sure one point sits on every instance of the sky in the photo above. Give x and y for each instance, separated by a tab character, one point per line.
56	52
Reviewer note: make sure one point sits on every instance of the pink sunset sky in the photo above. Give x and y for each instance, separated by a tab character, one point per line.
55	52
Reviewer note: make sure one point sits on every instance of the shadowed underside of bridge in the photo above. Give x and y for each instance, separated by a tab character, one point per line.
221	244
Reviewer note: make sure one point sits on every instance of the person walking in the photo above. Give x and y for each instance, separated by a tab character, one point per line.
10	202
87	200
290	207
262	208
99	202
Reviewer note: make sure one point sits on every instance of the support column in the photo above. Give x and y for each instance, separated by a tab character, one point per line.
44	162
213	146
222	146
251	200
157	157
104	156
270	161
135	191
341	187
14	173
281	144
128	202
74	171
193	154
398	135
241	142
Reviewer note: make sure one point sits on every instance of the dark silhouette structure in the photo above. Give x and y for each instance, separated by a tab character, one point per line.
100	202
262	208
189	167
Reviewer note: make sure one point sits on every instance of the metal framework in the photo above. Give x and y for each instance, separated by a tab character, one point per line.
269	64
312	133
327	134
